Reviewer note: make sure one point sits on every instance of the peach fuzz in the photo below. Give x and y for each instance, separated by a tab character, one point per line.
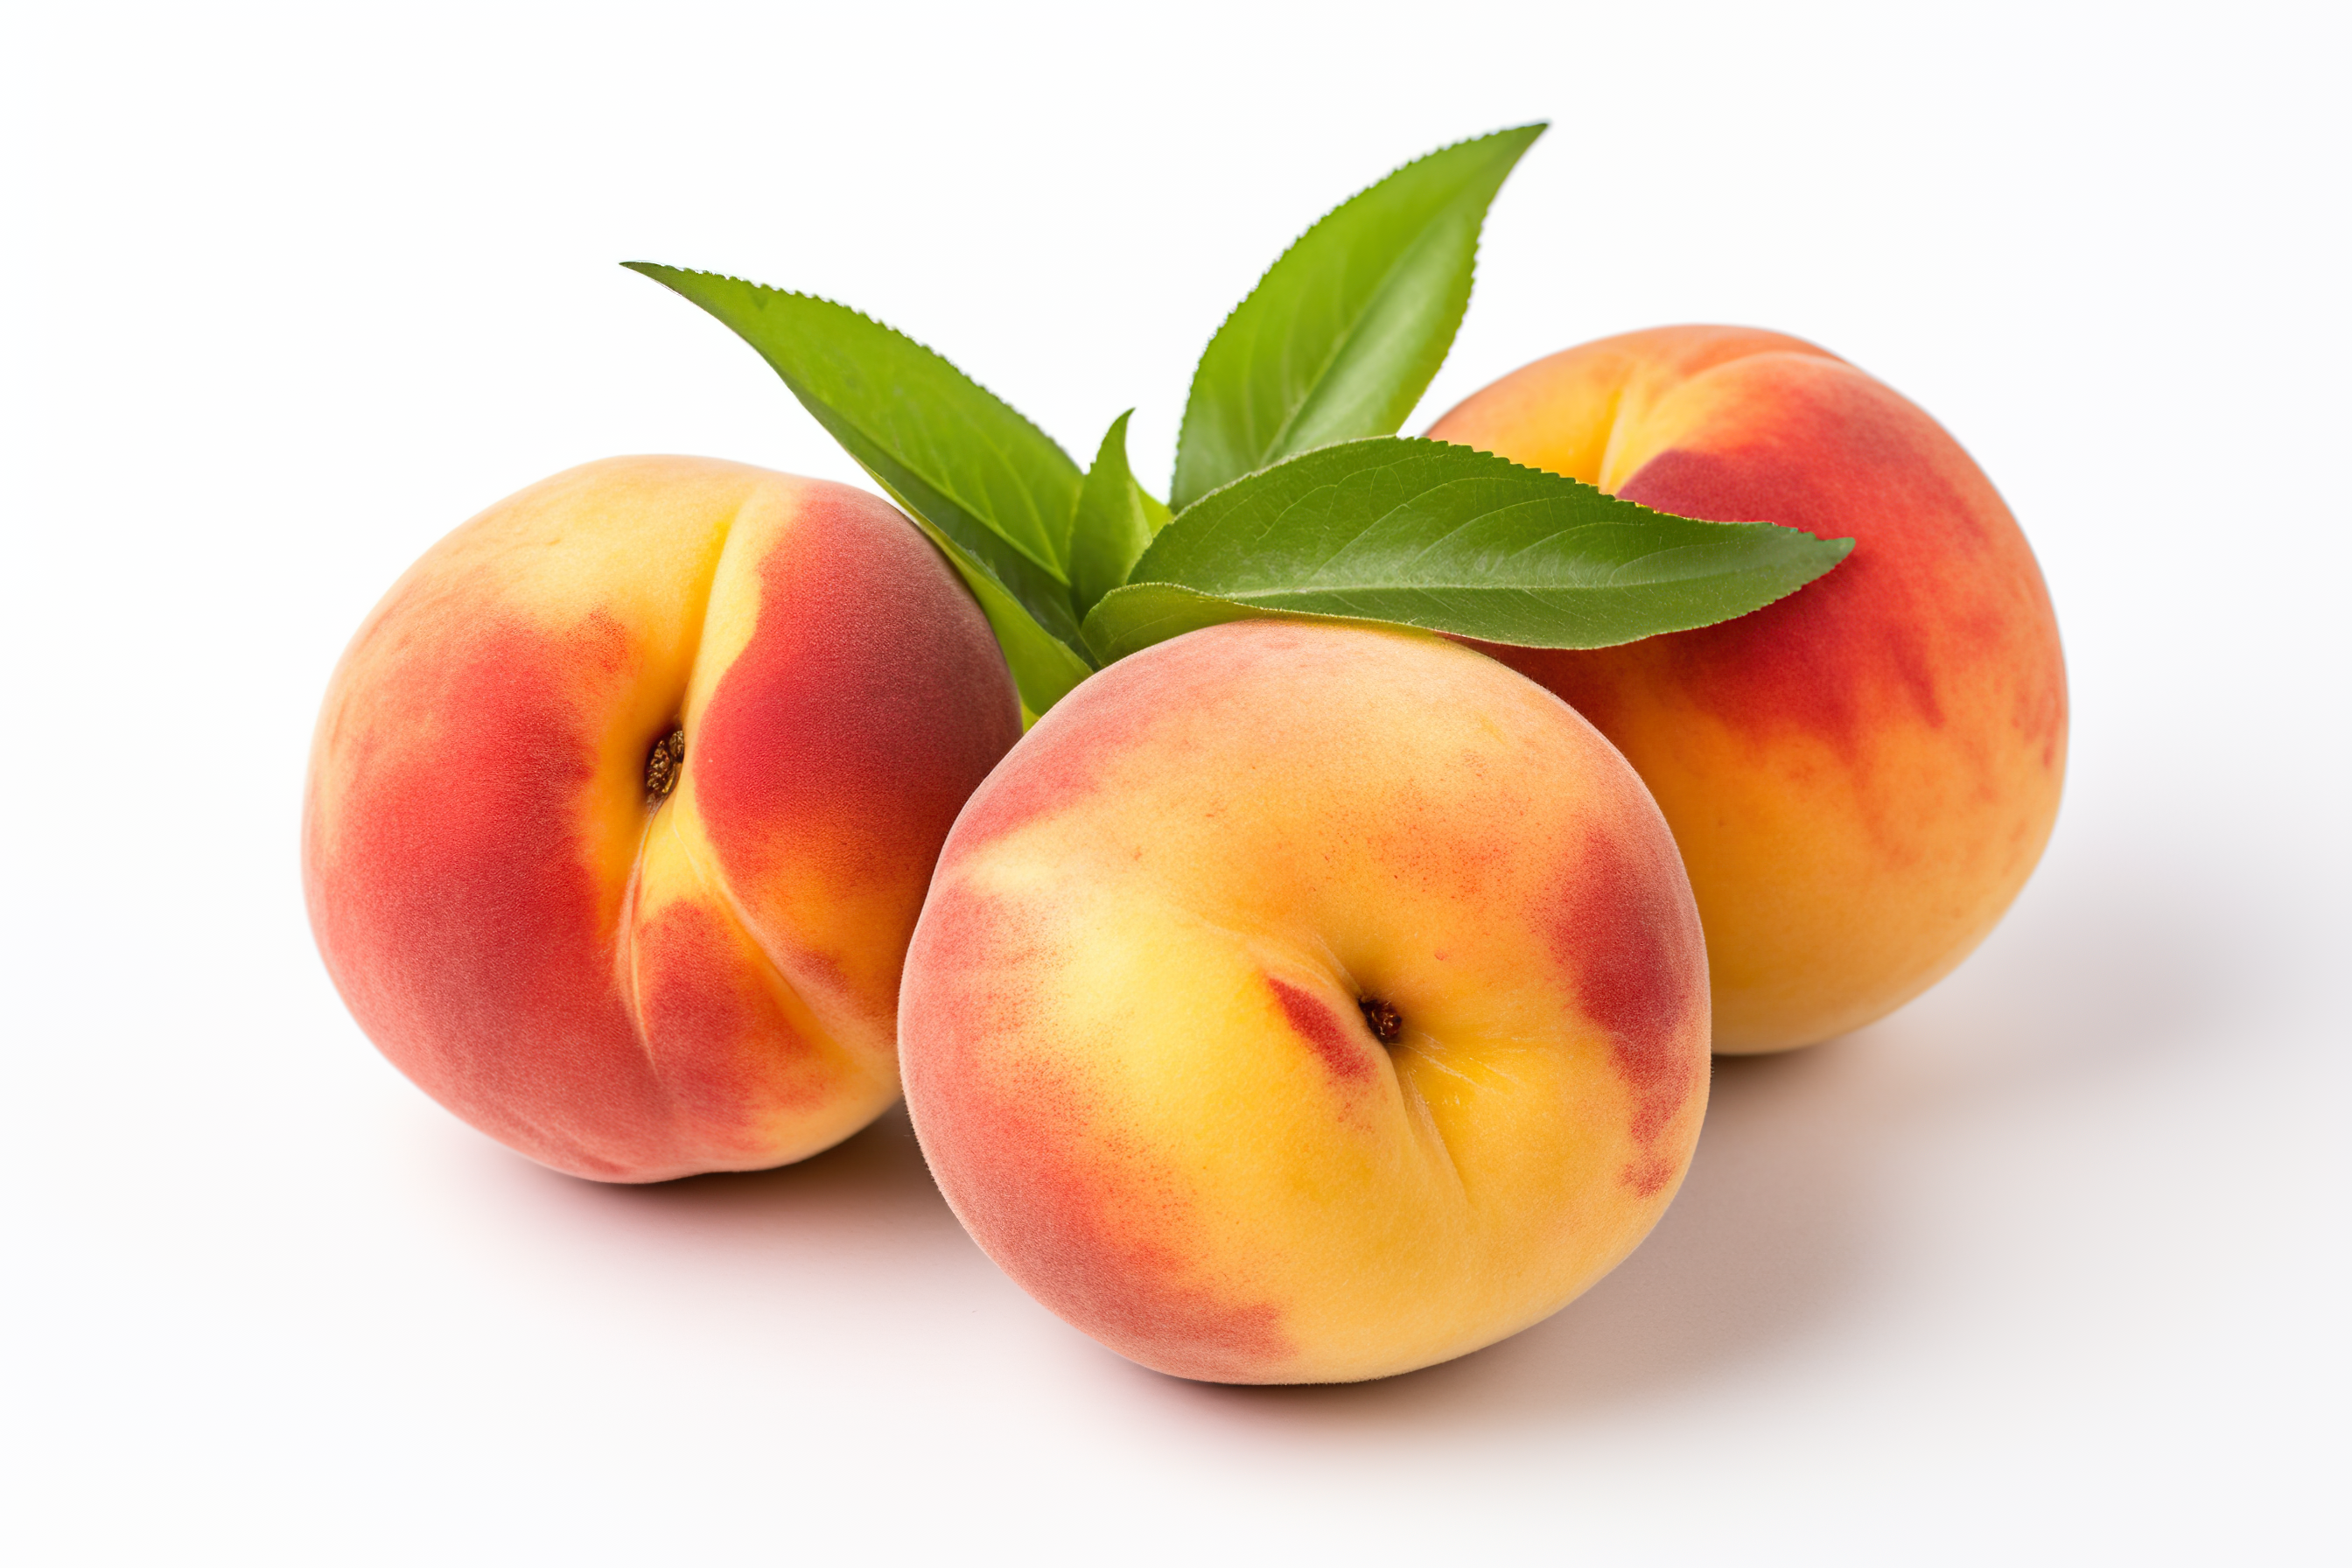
623	984
1861	775
1301	1003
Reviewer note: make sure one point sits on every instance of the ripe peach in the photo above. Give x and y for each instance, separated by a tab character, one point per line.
622	803
1307	1003
1861	775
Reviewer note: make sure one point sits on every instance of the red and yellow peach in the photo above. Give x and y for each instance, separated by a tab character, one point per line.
624	801
1861	775
1308	1003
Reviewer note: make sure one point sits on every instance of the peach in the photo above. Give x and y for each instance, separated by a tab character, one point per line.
1301	1003
1861	775
622	803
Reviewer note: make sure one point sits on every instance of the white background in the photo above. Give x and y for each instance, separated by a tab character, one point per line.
2050	1267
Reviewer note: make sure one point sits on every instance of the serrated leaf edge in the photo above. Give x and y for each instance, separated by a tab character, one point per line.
1405	445
1060	574
1183	428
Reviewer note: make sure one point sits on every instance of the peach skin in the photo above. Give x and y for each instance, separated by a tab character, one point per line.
622	803
1861	775
1306	1004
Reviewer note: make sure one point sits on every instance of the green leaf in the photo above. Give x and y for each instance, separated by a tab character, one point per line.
1343	335
1129	619
990	488
1116	519
1044	666
1420	533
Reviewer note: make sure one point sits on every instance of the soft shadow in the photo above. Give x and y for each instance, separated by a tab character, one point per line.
2105	972
2117	974
1792	1203
873	1186
1764	1239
